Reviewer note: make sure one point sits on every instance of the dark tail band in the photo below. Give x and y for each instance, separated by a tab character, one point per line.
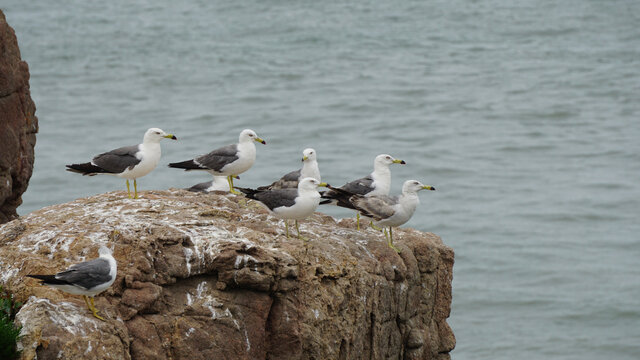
86	169
186	165
48	279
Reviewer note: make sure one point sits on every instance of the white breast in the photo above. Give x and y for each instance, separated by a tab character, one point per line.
150	156
246	158
303	207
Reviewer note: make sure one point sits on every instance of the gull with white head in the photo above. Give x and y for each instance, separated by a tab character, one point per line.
229	161
376	183
390	211
129	162
290	203
309	169
87	278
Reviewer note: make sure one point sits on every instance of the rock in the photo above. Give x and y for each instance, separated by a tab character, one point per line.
18	124
212	276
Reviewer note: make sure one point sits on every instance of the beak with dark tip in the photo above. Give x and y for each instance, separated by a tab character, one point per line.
261	141
171	136
398	161
305	158
427	187
324	185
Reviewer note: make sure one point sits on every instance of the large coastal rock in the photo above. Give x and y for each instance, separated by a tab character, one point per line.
214	277
18	124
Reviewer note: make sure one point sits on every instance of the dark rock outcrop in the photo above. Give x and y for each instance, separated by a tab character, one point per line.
213	277
18	124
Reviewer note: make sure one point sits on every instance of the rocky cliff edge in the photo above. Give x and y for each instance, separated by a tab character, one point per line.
214	277
18	124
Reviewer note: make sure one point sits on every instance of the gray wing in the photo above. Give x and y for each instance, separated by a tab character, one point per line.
378	207
361	186
118	160
277	198
202	187
218	158
87	274
290	180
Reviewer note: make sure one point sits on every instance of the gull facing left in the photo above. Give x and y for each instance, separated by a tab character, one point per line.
87	278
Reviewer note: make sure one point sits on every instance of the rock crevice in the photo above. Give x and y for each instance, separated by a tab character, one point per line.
213	276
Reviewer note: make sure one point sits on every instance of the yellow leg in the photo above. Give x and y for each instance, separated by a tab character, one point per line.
358	221
128	190
286	225
298	229
135	189
391	240
86	301
231	189
375	227
94	310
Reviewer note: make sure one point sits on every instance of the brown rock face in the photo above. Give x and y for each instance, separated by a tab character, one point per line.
214	277
18	124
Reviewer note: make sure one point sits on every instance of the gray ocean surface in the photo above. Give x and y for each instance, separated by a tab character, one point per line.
523	114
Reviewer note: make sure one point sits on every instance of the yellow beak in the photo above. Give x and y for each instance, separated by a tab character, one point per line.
171	136
323	184
398	161
427	187
261	141
305	158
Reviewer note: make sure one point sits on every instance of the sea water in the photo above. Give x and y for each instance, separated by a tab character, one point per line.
523	114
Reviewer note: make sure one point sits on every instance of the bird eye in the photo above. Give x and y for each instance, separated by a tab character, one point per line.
388	157
157	132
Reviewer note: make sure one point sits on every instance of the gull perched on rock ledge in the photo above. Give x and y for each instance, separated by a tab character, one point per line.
129	162
291	203
376	183
87	278
387	210
229	161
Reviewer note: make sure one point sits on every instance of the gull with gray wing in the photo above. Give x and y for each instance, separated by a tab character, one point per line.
87	278
376	183
129	162
309	169
390	211
290	203
229	161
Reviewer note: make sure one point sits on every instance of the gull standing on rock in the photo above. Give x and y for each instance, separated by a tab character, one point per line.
291	203
229	161
87	278
291	180
377	183
390	211
129	162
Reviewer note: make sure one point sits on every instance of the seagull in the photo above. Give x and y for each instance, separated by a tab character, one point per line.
377	183
129	162
290	180
390	211
229	161
87	278
219	183
291	203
